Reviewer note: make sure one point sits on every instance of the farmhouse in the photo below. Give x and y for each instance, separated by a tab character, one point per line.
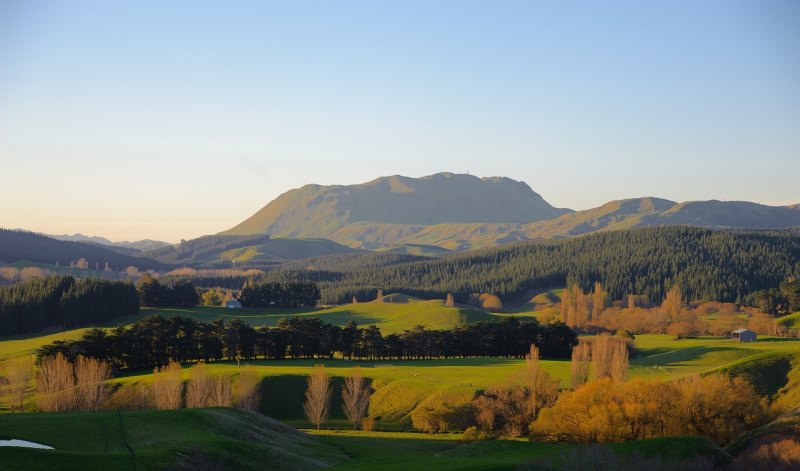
744	335
233	304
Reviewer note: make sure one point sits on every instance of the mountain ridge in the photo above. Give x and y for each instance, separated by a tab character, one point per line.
461	212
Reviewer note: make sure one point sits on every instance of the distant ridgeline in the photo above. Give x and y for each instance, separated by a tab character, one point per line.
719	265
156	340
30	306
21	245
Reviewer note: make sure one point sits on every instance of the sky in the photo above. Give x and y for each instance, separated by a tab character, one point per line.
169	120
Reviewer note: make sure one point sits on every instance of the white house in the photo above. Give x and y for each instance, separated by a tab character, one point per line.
233	304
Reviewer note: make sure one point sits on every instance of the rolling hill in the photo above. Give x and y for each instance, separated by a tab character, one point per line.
222	250
138	245
451	212
17	246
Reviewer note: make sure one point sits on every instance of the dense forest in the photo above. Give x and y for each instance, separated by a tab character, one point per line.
32	305
719	265
156	340
21	245
289	294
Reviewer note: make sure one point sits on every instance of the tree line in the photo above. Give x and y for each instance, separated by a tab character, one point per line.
714	265
32	305
275	294
155	341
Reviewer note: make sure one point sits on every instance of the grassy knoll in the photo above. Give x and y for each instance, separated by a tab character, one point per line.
402	451
181	439
792	321
389	316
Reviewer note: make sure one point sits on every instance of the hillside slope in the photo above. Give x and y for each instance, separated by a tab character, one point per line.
20	245
172	439
461	212
318	211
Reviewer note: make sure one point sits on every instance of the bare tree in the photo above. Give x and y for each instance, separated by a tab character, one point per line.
198	388
619	361
601	356
248	389
91	376
220	392
542	388
55	384
579	367
355	397
318	396
19	372
168	387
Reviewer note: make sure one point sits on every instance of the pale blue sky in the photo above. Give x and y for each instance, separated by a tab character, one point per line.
170	119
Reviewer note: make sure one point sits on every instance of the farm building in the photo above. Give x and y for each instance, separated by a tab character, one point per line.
233	304
744	335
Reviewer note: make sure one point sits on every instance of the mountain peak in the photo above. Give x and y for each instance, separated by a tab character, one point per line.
318	211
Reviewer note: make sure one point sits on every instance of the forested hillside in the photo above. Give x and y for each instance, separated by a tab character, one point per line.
719	265
21	245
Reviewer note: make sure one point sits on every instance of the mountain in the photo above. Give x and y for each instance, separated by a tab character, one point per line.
451	212
17	246
227	250
320	211
140	245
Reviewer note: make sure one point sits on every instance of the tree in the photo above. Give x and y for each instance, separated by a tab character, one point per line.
598	301
379	297
19	372
602	353
579	367
248	389
450	301
355	397
220	392
318	396
198	388
672	303
619	361
91	375
542	388
55	384
150	291
168	386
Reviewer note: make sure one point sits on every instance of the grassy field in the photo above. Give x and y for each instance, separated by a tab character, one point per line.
231	439
180	440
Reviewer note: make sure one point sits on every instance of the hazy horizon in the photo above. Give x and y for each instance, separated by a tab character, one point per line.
172	120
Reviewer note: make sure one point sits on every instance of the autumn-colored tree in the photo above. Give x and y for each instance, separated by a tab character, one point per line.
198	388
355	300
55	384
602	354
542	388
211	298
598	301
581	361
355	397
220	392
672	303
318	396
450	301
490	302
91	375
167	387
248	389
619	361
18	373
379	298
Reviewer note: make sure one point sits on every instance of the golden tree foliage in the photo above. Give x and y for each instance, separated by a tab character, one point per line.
55	384
220	392
167	388
672	303
603	410
318	396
